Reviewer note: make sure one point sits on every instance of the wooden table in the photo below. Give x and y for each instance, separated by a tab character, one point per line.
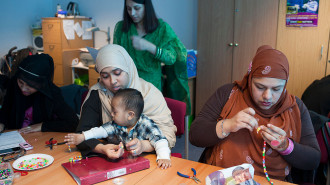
56	174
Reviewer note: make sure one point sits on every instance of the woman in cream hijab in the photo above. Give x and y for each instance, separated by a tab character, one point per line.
117	71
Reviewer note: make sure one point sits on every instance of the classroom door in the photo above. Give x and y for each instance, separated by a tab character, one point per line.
255	25
229	33
215	34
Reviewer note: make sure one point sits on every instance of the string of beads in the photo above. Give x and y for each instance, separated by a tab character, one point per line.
75	159
264	161
69	148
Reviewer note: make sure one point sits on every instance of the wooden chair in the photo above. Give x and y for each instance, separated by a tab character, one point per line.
181	120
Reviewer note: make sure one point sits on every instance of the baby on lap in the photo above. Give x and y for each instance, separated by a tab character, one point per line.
128	123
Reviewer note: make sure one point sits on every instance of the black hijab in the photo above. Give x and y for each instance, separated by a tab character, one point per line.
37	71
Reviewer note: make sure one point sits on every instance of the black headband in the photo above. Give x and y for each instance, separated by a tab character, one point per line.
139	1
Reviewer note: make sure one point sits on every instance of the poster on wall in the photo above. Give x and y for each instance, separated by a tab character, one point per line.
302	13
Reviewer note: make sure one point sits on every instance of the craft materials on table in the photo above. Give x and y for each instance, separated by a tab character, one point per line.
190	177
76	159
22	173
33	162
240	174
13	156
6	173
10	140
50	143
97	169
118	181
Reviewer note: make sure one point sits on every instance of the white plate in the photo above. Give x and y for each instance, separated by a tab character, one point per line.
25	160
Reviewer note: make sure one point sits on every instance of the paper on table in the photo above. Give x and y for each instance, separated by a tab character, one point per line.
78	29
68	28
87	34
243	172
10	140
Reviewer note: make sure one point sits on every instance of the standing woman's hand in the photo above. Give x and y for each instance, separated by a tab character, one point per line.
32	128
142	44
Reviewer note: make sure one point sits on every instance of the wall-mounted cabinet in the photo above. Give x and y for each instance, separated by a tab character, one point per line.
229	33
55	44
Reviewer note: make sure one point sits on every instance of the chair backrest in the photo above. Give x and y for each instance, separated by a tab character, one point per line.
178	109
72	95
83	97
323	138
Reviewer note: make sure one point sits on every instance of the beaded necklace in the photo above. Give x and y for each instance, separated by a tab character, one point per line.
264	158
264	163
75	159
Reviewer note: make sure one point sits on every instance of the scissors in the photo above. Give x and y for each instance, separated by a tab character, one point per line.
190	177
50	143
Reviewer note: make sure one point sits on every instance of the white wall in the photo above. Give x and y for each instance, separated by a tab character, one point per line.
181	15
17	18
19	15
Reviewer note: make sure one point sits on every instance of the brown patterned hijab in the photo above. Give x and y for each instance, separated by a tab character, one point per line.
244	146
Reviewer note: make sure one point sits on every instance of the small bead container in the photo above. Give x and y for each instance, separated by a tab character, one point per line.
6	174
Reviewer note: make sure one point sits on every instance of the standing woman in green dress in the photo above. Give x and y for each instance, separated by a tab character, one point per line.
150	42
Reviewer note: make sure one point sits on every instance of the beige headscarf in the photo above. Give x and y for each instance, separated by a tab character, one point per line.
155	106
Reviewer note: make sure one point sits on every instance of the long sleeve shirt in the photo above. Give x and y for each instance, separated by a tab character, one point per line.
144	129
305	155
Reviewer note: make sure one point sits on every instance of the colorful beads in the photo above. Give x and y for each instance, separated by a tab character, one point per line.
69	148
264	163
75	159
258	129
33	163
264	158
4	174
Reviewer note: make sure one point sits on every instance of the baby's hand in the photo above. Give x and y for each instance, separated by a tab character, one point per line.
74	139
164	163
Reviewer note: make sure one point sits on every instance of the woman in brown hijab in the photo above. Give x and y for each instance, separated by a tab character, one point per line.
227	124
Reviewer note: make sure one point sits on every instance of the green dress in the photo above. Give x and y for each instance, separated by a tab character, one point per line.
173	55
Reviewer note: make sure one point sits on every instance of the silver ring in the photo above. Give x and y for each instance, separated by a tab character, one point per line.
28	127
134	152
